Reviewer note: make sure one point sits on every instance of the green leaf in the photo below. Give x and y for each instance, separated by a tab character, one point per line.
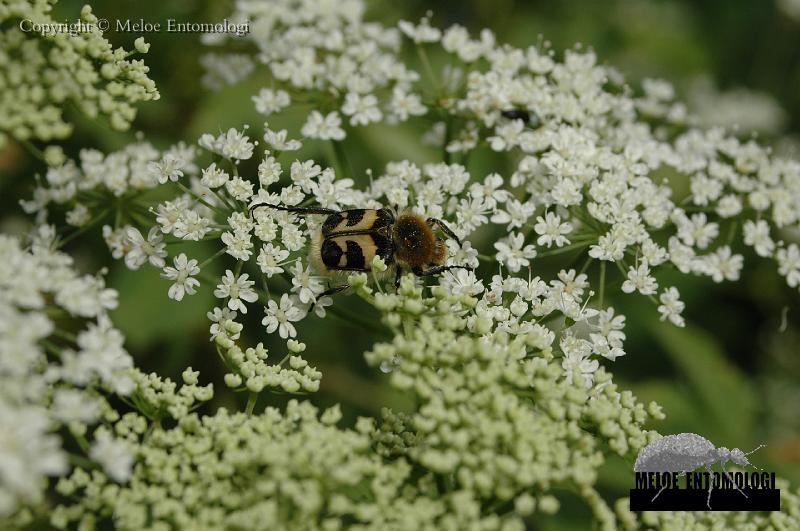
147	315
725	399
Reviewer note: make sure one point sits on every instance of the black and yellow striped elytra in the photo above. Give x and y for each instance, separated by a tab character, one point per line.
358	221
355	251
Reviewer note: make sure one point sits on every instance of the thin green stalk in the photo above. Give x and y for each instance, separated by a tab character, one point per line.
97	219
63	334
602	281
586	265
224	199
732	231
423	56
251	403
566	248
342	161
200	199
212	257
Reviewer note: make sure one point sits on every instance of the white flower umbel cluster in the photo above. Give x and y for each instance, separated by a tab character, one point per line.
323	50
48	64
59	359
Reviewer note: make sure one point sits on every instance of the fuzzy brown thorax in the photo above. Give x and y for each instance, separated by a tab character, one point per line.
415	244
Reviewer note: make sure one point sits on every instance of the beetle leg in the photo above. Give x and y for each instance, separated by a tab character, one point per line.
330	291
297	210
333	291
433	222
438	269
397	275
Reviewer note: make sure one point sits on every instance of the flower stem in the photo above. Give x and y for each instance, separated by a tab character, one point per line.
426	63
85	228
565	249
602	281
199	199
341	161
251	403
212	257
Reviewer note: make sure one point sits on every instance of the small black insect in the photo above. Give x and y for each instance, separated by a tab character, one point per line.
684	453
348	240
517	114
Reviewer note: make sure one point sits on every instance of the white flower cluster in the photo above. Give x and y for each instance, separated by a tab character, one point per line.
40	74
51	376
324	48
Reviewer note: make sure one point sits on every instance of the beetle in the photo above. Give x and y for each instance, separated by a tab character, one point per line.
528	117
684	453
348	240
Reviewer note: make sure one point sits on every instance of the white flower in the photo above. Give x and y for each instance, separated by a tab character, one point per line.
30	452
611	326
491	191
182	277
235	145
78	216
721	265
362	109
113	455
321	304
306	286
293	238
603	347
511	252
552	230
281	317
238	245
153	249
671	306
221	318
86	296
269	171
328	127
729	206
757	235
271	258
697	231
576	359
240	189
789	264
270	101
72	405
303	173
516	213
404	104
170	168
423	32
214	177
277	140
462	282
639	279
238	289
191	226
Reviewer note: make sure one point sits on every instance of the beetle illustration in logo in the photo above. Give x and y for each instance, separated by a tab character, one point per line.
685	452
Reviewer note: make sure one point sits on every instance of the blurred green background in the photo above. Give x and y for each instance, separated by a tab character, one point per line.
733	375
